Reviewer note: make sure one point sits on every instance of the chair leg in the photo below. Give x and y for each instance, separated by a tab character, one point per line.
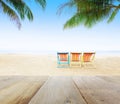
63	65
91	64
75	64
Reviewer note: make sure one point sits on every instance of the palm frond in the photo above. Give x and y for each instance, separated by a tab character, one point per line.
65	5
74	21
114	13
21	8
18	9
42	3
89	12
11	13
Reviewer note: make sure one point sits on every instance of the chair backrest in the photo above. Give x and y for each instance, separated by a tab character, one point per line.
75	56
88	56
63	56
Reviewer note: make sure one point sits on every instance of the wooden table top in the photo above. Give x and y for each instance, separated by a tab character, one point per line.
60	90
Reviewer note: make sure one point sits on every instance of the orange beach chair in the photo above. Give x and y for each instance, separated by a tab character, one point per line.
88	58
75	59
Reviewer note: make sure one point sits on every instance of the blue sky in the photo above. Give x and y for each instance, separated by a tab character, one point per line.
46	32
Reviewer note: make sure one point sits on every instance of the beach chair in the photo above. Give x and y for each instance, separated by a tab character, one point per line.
63	59
88	59
75	59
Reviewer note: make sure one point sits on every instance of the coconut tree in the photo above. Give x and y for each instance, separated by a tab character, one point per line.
17	10
89	12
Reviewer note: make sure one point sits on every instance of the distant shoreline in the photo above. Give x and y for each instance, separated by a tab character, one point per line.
98	53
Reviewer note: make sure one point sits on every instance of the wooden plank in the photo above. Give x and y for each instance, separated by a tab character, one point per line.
6	81
99	90
58	90
22	91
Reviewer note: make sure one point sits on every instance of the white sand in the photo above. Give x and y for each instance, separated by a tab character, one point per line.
14	64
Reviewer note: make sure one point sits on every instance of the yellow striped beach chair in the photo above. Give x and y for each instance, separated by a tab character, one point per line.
75	59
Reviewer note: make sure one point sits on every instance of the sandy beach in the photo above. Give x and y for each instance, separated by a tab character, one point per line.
40	65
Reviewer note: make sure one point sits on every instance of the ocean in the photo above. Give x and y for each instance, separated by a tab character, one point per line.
98	53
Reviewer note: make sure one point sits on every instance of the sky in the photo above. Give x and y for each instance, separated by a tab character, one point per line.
46	32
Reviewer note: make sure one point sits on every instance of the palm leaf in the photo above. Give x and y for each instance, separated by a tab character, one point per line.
11	13
89	12
21	8
17	9
74	21
63	6
42	3
114	13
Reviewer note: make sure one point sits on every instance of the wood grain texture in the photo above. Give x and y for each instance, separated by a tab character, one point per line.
22	91
7	81
99	90
58	90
